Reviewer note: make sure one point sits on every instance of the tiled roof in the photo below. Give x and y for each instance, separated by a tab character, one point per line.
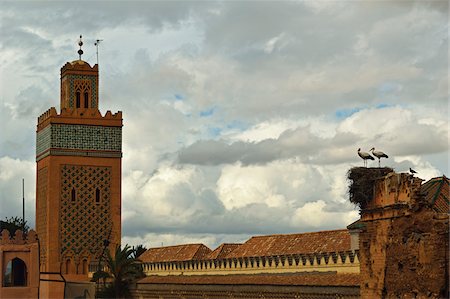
294	279
437	192
358	224
306	243
223	250
185	252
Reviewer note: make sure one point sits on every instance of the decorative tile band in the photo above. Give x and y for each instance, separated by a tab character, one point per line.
58	152
79	137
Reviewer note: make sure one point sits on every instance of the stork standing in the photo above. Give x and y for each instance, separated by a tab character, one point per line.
365	156
378	154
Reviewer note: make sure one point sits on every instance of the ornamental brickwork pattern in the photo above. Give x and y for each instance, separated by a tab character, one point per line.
79	137
42	211
82	81
85	219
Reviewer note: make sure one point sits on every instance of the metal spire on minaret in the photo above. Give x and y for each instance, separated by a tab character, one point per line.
80	43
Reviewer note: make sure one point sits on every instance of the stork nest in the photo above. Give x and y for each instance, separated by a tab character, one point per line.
361	183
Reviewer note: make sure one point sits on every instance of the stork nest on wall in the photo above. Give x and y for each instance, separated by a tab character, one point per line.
361	183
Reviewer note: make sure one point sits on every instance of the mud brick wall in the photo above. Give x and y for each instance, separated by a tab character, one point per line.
405	257
404	246
417	256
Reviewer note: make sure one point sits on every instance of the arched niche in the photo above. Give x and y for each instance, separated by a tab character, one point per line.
15	273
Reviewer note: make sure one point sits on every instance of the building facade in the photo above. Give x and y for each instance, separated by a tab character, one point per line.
19	261
78	189
324	251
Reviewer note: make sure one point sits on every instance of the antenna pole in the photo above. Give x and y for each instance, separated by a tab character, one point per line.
96	45
23	204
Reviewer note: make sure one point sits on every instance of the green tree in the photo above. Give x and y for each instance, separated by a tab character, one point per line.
12	224
123	270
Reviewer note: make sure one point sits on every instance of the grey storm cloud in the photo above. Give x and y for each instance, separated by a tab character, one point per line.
73	17
290	144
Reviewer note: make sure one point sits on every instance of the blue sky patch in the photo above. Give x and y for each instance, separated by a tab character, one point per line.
383	105
237	124
207	112
214	131
346	112
179	97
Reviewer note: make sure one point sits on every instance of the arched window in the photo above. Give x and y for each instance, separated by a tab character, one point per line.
86	100
15	274
78	99
97	195
84	265
74	194
67	266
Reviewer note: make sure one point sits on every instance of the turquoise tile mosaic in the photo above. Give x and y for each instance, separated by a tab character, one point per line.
79	137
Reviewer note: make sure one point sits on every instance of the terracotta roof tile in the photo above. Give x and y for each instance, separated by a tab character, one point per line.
183	252
436	192
306	243
294	279
223	250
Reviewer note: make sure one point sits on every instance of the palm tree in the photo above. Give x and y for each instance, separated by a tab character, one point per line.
138	250
123	269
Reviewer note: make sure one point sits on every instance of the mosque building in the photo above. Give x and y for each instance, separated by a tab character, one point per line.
78	155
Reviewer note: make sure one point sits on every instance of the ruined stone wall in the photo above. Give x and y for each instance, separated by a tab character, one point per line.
417	256
404	245
405	257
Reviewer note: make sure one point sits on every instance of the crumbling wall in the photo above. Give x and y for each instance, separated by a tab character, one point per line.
417	256
405	257
372	252
362	180
404	242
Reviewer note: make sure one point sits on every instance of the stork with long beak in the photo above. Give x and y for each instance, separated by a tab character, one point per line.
365	156
378	154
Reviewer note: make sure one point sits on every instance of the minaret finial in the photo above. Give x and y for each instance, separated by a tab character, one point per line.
80	43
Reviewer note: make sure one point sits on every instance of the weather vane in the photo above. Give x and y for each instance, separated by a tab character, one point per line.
80	43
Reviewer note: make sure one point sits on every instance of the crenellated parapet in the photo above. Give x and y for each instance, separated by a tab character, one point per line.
85	116
19	238
341	262
394	195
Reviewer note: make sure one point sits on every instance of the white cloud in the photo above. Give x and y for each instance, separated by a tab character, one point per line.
312	214
264	105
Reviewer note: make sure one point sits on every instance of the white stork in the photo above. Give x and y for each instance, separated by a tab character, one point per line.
378	154
365	156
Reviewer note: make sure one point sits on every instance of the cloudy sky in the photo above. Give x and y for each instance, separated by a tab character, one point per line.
240	117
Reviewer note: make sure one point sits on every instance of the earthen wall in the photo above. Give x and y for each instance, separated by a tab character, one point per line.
404	245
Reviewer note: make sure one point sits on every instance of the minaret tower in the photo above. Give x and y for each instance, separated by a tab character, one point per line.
78	190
